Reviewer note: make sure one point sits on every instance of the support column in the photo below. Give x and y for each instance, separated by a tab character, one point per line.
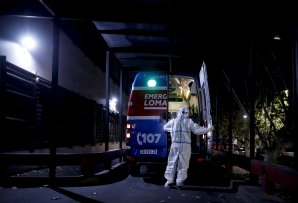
106	134
54	119
252	99
229	165
253	178
120	113
2	101
170	48
230	113
217	124
2	79
295	64
2	112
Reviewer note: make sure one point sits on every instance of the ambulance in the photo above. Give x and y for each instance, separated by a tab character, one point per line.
157	96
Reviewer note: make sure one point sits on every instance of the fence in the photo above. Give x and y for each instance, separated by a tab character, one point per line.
87	161
270	174
26	113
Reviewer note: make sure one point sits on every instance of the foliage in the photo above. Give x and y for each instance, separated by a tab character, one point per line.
270	116
269	74
271	111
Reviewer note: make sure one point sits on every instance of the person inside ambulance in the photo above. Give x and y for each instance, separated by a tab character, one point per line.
180	151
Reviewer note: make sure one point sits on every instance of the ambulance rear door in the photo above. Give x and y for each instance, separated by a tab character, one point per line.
207	106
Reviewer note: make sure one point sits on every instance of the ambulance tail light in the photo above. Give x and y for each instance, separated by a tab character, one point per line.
127	135
200	159
131	159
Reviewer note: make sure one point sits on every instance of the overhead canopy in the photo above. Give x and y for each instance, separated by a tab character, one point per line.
145	35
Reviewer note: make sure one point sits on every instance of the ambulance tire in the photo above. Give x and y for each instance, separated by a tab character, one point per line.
134	169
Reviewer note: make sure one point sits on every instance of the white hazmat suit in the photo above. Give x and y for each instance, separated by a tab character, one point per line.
180	151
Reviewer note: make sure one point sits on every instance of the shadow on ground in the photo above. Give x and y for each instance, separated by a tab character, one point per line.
209	175
66	176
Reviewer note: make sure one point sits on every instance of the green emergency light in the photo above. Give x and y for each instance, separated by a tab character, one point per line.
151	83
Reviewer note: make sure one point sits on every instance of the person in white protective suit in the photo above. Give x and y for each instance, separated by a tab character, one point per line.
180	151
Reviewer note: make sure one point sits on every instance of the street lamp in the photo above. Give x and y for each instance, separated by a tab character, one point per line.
113	104
276	37
28	43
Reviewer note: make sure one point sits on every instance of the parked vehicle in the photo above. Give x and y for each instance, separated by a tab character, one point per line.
238	150
156	96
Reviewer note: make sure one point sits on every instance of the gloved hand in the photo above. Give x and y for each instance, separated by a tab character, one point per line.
211	128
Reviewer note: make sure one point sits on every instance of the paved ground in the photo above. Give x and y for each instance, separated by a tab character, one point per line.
209	183
280	191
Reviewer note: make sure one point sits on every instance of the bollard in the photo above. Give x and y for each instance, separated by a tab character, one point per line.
87	167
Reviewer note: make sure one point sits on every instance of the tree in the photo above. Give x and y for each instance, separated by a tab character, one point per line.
273	129
271	116
273	106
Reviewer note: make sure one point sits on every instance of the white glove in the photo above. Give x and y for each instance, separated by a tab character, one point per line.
211	128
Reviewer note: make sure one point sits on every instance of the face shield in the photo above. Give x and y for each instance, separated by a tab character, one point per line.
183	112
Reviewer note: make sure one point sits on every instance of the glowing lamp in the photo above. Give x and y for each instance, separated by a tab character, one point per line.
151	83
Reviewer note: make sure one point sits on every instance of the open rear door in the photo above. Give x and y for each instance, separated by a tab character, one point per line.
207	113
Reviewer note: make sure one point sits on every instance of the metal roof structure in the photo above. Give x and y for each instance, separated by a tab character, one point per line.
178	35
145	35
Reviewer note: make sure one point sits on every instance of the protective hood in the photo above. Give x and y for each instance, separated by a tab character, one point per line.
183	112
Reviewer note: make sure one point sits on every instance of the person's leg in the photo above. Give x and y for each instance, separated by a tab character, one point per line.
171	166
183	164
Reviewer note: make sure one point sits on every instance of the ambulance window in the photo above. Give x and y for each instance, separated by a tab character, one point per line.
174	90
194	107
183	91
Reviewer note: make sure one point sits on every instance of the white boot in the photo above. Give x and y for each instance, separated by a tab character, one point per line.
168	185
180	185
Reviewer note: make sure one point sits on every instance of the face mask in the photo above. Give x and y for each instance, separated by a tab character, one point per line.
184	114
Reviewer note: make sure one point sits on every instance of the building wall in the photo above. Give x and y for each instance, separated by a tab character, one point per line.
76	72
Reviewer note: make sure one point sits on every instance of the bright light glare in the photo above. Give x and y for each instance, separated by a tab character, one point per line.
28	43
151	83
113	104
244	116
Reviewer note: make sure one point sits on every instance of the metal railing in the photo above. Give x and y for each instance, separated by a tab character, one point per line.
87	161
270	173
26	114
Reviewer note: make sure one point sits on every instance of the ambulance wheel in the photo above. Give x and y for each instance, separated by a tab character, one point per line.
134	169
